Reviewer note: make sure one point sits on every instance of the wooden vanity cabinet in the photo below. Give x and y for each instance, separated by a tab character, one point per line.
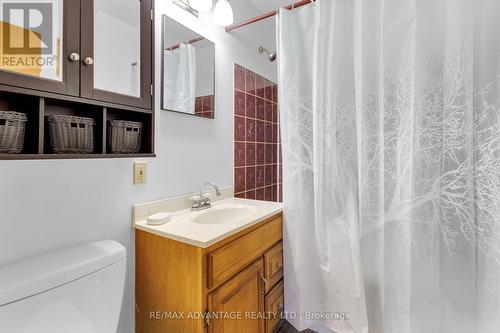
235	285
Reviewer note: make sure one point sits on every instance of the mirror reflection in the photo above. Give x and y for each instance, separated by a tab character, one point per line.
117	64
188	71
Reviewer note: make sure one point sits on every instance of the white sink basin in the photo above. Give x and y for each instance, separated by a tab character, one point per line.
224	215
206	227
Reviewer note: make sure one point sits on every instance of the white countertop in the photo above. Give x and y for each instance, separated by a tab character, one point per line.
184	228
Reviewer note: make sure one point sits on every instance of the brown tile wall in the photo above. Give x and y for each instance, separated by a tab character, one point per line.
256	137
204	106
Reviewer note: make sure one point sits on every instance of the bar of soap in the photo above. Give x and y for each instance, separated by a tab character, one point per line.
159	218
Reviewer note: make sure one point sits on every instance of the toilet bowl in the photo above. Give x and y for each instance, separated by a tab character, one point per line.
77	289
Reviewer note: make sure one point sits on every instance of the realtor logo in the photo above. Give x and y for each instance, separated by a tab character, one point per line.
35	20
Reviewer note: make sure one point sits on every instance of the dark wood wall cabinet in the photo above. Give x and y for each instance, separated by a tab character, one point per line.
97	63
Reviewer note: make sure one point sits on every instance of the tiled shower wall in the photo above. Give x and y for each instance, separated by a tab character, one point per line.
256	137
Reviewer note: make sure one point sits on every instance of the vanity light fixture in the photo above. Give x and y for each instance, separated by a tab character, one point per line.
201	5
184	4
223	13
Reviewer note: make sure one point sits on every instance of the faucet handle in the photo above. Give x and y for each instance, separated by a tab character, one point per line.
206	198
196	201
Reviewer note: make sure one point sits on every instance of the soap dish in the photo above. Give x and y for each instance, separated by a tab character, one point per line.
159	218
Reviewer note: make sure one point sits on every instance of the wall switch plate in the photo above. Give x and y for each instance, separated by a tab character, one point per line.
140	172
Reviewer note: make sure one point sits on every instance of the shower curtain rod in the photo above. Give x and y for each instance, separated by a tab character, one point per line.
267	15
192	41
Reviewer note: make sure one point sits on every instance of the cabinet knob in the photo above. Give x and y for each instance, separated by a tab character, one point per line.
88	61
74	57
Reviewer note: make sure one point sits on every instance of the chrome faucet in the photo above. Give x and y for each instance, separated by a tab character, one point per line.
202	200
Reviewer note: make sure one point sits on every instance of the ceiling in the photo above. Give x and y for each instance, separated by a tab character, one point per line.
265	6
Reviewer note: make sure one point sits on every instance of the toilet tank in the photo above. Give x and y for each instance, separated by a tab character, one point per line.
77	289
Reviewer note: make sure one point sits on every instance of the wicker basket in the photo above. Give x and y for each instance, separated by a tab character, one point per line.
124	136
12	128
71	135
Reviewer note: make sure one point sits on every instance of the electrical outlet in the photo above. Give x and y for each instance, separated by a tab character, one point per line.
140	172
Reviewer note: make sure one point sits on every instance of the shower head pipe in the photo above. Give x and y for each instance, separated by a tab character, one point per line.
271	56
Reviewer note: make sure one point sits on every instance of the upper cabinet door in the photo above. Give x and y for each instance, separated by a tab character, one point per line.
40	45
116	47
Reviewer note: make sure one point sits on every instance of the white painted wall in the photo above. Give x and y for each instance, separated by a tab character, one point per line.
46	205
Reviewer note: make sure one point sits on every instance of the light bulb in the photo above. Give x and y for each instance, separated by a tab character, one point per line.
201	5
223	13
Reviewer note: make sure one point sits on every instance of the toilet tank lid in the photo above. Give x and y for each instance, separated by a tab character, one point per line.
43	272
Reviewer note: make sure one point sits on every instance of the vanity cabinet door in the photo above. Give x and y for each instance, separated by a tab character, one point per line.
40	46
241	297
116	46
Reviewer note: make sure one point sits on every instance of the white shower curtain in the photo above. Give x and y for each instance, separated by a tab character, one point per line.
180	79
390	122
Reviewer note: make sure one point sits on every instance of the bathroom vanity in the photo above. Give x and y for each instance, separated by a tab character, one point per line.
226	277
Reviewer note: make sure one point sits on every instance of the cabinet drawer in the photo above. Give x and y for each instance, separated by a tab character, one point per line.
273	263
274	307
235	256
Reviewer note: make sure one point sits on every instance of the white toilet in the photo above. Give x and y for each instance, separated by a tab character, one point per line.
77	289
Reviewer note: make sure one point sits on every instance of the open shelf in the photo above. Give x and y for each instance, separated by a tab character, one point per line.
37	136
29	105
57	107
70	156
145	118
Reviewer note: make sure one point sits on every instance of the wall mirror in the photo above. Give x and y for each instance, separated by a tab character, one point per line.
117	65
188	71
